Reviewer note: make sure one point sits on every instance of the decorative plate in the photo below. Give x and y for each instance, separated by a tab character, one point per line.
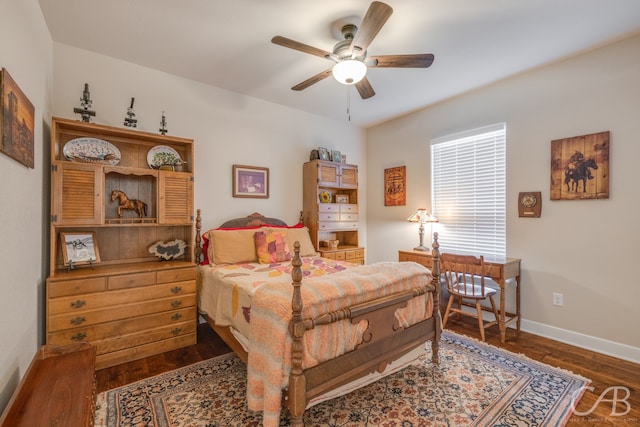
162	155
91	150
325	197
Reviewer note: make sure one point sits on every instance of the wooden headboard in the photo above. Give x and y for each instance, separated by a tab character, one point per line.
250	221
254	220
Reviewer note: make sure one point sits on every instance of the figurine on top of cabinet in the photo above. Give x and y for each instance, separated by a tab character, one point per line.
85	102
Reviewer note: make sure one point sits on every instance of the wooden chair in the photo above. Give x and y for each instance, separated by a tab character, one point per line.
464	276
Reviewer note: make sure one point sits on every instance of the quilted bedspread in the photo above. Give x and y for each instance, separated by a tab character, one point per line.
225	291
269	361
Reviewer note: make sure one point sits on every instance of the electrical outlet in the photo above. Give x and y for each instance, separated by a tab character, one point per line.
558	299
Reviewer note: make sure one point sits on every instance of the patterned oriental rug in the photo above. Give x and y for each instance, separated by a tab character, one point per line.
475	384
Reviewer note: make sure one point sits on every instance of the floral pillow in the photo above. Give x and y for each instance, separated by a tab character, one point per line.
271	246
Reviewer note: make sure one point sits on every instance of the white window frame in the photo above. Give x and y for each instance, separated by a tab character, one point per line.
468	191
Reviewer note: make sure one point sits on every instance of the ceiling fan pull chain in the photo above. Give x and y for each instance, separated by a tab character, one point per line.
348	103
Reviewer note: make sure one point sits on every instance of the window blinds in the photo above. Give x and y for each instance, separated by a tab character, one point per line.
468	191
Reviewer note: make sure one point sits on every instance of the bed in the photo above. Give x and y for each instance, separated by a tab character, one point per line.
308	328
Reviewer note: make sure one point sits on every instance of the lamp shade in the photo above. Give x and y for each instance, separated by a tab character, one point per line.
349	71
422	215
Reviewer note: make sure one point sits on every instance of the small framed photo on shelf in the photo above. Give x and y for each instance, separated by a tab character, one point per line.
342	198
323	153
79	248
336	156
251	182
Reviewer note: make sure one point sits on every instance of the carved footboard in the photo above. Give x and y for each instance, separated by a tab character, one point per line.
383	340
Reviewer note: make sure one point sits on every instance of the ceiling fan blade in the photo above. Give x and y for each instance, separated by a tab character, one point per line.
373	20
312	80
292	44
365	89
421	60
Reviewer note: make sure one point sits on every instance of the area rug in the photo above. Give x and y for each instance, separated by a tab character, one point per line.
475	384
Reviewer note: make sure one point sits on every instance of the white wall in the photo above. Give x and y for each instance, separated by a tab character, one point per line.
25	52
583	249
228	129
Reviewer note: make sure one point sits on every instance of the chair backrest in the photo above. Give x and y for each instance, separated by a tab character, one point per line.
464	274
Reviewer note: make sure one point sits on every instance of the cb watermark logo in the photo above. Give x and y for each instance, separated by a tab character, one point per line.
619	399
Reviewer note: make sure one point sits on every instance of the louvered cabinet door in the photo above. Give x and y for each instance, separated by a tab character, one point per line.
77	193
175	196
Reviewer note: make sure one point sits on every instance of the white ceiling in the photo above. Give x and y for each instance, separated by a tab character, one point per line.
226	43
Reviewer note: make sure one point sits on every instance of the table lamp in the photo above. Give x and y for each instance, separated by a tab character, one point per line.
421	216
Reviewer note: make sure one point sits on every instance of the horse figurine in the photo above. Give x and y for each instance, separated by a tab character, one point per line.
130	204
579	173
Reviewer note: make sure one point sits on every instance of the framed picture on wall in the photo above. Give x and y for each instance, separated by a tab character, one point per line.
251	182
580	167
395	186
16	122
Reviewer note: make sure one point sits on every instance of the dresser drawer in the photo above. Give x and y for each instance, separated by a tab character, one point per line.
333	216
78	303
337	225
347	216
75	287
349	255
122	327
328	207
347	208
178	275
108	314
127	281
116	343
340	256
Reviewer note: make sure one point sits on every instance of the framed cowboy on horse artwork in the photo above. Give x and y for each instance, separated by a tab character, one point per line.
580	167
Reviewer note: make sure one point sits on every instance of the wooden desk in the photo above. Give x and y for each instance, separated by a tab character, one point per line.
500	270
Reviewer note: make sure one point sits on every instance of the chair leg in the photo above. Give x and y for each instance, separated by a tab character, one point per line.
495	313
446	312
493	307
480	321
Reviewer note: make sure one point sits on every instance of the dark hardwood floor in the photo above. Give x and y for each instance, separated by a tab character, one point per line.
619	377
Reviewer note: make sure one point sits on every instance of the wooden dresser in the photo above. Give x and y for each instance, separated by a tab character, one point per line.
129	304
58	389
127	312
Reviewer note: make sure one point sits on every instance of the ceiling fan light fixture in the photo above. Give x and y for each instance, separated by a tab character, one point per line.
349	71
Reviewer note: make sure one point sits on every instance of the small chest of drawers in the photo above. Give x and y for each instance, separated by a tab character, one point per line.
126	312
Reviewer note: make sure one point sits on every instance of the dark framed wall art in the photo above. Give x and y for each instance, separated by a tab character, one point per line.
17	122
580	167
250	181
395	186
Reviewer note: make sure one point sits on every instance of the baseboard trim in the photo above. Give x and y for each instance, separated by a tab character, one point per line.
611	348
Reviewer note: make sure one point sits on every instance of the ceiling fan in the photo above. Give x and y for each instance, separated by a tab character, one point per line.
350	55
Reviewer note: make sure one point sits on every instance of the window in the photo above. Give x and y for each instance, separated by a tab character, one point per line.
468	191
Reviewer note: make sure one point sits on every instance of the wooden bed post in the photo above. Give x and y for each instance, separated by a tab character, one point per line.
435	271
197	250
297	381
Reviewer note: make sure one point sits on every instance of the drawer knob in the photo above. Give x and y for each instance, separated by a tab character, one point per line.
176	289
176	331
79	336
78	320
176	304
176	316
77	304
